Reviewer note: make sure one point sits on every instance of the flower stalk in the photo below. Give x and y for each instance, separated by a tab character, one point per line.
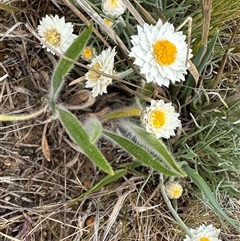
172	210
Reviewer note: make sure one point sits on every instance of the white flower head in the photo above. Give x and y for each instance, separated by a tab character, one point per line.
113	8
204	233
103	62
88	53
173	190
108	22
56	32
160	52
160	119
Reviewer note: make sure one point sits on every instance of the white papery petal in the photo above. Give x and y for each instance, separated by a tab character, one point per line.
171	118
65	31
208	233
142	49
106	63
113	8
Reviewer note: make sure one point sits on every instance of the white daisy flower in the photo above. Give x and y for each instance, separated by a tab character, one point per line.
204	233
113	8
160	52
56	32
160	119
173	190
103	62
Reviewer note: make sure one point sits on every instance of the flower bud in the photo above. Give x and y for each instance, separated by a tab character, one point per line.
173	190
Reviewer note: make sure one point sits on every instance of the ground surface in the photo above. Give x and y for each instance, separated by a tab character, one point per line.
34	191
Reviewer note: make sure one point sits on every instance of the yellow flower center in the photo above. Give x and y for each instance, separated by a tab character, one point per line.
108	22
165	52
177	193
87	53
157	118
53	37
113	3
94	76
204	239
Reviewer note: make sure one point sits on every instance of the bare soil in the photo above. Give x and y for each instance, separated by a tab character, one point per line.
34	191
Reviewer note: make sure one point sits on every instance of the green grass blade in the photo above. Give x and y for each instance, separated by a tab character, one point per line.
202	185
77	133
141	155
8	7
64	65
156	145
200	63
208	53
105	181
197	58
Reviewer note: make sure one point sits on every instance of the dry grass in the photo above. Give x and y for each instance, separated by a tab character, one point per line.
34	192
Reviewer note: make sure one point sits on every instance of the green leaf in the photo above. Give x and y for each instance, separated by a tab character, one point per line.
202	185
21	117
105	181
200	63
133	111
156	145
8	7
208	53
77	133
140	154
94	129
64	65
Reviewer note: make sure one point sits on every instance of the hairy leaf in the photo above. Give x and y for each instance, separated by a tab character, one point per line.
77	133
141	155
65	65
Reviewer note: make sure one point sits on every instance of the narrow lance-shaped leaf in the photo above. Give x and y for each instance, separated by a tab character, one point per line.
94	129
202	185
21	117
105	181
154	144
9	7
134	111
77	133
208	53
140	154
200	63
64	65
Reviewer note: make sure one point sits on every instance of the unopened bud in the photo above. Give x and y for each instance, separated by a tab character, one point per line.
173	190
